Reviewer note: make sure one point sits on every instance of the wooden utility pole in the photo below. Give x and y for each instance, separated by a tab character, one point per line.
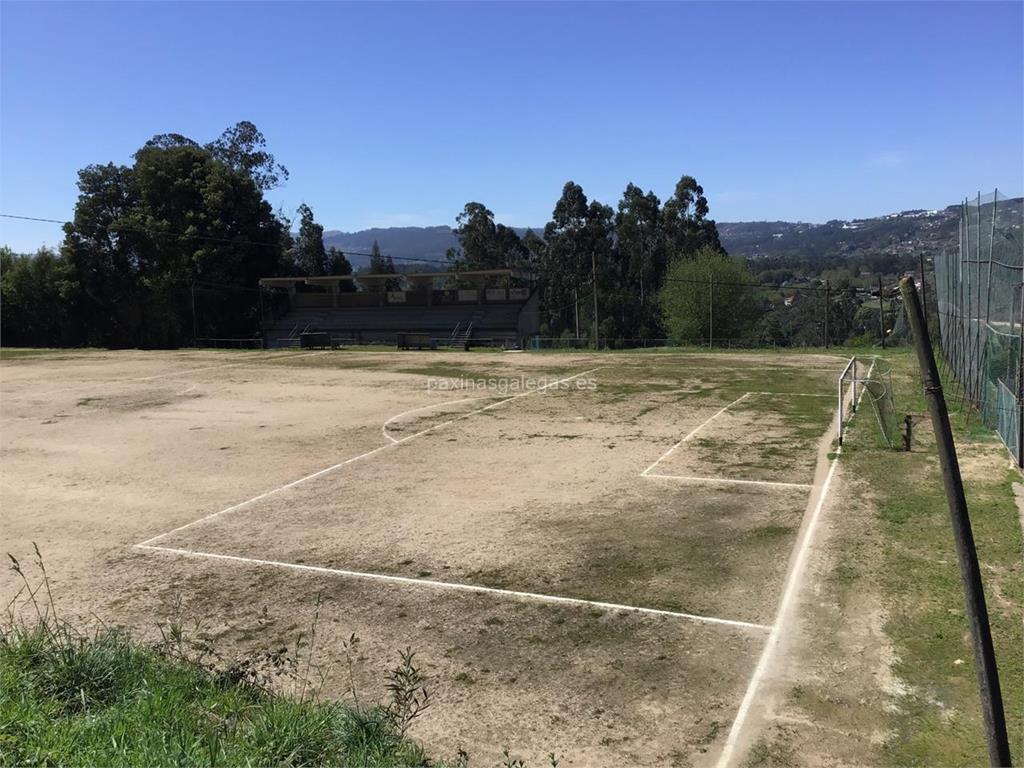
992	713
195	341
593	266
711	312
576	306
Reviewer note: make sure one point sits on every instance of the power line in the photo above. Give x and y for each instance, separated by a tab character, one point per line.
31	218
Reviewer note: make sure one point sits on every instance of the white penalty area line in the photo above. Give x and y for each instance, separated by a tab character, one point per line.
367	454
789	592
792	394
455	586
694	431
729	481
384	426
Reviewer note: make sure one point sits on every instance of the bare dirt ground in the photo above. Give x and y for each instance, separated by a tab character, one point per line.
541	493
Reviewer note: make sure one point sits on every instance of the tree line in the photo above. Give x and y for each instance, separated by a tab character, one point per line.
648	271
144	236
186	217
599	270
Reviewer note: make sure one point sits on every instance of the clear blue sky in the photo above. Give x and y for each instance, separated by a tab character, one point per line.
394	114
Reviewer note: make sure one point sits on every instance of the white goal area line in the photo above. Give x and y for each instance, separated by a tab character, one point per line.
792	583
455	586
353	459
729	481
770	483
694	432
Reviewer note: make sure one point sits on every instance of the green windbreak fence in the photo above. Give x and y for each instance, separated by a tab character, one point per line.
979	286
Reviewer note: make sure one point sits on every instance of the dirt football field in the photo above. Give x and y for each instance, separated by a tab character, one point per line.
592	554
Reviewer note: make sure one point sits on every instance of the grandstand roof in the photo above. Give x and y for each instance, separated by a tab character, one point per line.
270	282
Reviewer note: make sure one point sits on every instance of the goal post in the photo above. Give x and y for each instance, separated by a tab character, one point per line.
876	384
847	385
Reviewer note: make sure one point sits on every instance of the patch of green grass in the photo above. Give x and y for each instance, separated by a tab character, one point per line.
74	699
102	700
938	721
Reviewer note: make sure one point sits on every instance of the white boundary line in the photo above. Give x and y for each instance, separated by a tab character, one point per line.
792	581
408	581
694	431
378	449
713	480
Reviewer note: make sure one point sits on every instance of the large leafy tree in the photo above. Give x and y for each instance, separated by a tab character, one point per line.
310	255
101	248
709	296
484	244
563	268
143	236
383	265
640	238
243	148
535	249
338	264
684	219
579	257
36	300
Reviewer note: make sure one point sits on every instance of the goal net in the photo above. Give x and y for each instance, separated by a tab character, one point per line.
867	384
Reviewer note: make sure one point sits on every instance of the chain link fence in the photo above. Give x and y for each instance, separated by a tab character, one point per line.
713	314
980	300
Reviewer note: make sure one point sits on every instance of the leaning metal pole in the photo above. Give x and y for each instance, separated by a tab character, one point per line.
970	574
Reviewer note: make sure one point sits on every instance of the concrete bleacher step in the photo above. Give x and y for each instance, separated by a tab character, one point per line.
495	321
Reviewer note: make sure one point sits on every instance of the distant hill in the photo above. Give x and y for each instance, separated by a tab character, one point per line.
428	243
906	232
401	243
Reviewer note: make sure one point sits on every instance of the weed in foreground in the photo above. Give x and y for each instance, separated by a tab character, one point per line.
78	699
74	698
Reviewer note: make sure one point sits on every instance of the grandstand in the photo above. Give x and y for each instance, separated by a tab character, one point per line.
493	307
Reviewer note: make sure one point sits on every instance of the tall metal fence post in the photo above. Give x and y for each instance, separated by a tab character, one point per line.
711	312
992	714
963	244
593	264
924	291
979	394
881	312
828	291
982	369
1019	389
